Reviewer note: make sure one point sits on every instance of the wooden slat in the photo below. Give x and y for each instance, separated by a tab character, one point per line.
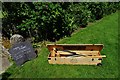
74	44
101	56
78	52
97	47
74	60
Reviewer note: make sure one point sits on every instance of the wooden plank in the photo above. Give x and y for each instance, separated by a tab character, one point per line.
93	56
79	52
74	61
101	56
73	44
97	47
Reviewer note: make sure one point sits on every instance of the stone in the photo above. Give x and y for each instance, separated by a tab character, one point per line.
16	38
22	52
4	59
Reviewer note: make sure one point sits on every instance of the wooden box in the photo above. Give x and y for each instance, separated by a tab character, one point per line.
75	54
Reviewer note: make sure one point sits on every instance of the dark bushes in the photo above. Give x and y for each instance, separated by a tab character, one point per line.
51	21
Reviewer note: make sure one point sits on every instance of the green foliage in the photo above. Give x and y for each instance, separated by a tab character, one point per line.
51	21
80	13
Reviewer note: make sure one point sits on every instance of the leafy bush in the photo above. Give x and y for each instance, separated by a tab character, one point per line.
39	20
51	21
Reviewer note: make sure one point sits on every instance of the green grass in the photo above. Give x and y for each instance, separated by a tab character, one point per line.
104	31
0	14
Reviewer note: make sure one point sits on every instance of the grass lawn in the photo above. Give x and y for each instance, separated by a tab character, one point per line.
104	31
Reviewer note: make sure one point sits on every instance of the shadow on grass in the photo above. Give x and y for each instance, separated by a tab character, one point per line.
5	76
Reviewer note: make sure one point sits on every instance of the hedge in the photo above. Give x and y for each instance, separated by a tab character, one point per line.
49	20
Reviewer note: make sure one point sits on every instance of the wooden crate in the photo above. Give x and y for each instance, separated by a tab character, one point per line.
75	54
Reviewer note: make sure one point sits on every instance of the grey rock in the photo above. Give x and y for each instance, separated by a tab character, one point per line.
4	59
16	38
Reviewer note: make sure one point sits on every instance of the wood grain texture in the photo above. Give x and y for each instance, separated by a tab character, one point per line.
75	54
